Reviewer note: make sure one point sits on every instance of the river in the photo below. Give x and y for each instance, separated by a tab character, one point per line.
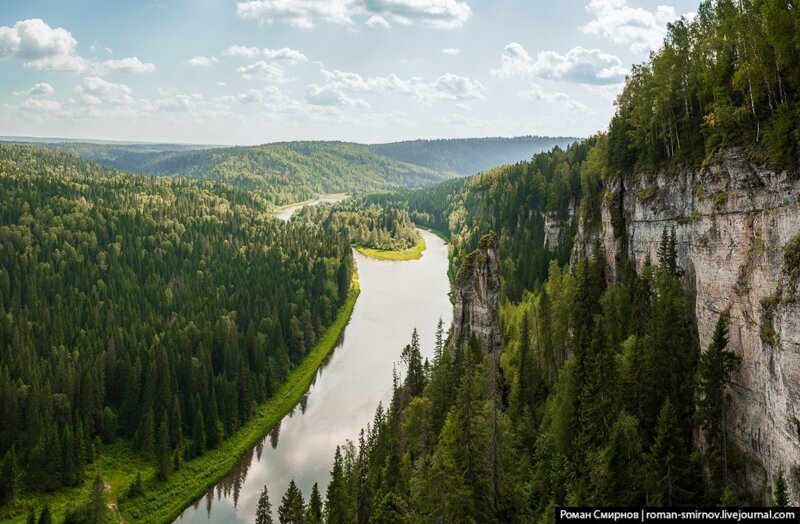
285	213
395	298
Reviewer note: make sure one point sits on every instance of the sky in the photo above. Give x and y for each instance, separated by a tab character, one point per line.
256	71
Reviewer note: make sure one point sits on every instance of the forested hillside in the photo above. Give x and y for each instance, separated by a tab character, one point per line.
281	173
601	393
467	156
157	311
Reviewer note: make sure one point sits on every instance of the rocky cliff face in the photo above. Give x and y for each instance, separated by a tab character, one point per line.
477	288
733	222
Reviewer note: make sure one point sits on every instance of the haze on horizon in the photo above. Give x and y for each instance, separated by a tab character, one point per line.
255	71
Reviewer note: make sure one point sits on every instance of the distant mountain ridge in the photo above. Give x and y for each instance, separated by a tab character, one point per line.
468	156
285	172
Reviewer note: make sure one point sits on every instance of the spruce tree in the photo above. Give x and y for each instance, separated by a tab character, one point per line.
780	498
667	467
44	516
292	508
715	369
163	453
335	498
264	508
314	508
97	502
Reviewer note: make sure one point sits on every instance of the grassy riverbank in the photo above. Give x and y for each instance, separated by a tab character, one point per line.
411	253
118	464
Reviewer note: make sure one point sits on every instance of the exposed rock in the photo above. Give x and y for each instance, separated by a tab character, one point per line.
733	221
556	226
477	289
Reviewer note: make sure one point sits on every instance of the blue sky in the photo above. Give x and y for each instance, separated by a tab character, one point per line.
254	71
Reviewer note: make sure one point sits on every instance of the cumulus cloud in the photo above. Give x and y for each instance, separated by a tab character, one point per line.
40	106
452	51
126	65
262	70
44	48
443	14
636	27
94	91
537	93
201	61
446	87
283	55
327	96
38	90
578	65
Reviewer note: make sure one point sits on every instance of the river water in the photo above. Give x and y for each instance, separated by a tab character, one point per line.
395	298
286	213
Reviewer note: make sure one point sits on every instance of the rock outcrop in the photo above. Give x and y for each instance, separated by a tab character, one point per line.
733	221
477	289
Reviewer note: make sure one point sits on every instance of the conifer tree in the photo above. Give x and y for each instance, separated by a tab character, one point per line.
780	498
292	508
715	369
314	511
667	468
163	453
264	508
335	497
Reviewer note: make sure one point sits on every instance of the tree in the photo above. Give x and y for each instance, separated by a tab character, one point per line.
44	516
163	453
97	502
715	369
667	468
780	498
335	498
292	508
264	508
8	476
314	509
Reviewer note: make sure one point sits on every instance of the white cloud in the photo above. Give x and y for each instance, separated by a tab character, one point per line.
444	14
95	91
378	21
446	87
201	61
452	51
44	48
40	89
283	55
261	71
41	106
638	28
126	65
579	65
327	96
537	93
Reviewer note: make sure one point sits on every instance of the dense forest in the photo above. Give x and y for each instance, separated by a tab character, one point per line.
467	156
731	75
281	173
601	394
372	226
154	310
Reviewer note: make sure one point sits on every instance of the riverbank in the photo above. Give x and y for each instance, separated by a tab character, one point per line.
118	464
412	253
333	196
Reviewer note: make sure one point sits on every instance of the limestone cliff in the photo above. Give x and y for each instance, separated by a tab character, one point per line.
477	288
733	221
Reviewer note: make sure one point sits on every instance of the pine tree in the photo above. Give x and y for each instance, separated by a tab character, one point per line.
780	497
415	373
715	369
314	509
264	508
292	508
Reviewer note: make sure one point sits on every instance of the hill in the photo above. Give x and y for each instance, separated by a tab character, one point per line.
467	156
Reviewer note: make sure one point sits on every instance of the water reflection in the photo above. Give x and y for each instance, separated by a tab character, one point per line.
395	298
